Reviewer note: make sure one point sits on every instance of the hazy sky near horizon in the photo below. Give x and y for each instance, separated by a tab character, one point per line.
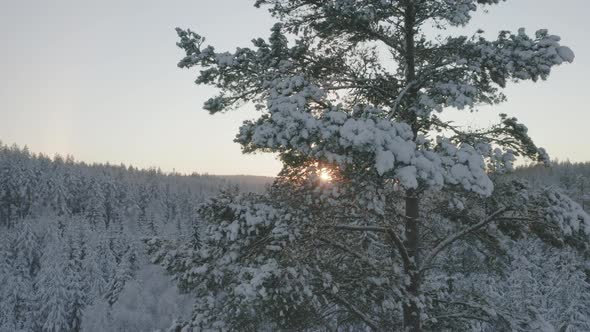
98	80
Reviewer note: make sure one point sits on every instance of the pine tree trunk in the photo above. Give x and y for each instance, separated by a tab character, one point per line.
411	308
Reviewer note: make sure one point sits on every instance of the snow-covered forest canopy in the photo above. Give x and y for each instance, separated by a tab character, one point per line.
71	256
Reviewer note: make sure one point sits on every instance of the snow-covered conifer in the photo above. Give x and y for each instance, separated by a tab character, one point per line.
363	249
54	296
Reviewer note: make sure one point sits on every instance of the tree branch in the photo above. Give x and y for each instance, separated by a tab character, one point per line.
408	264
357	312
451	239
460	315
359	228
399	98
344	248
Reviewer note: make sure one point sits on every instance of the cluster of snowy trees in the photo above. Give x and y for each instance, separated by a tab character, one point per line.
52	268
385	216
70	242
572	178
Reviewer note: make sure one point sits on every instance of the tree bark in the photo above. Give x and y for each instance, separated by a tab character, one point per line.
411	308
412	321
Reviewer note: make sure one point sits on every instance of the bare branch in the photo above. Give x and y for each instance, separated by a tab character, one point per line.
356	311
344	248
451	239
399	98
408	263
359	228
460	315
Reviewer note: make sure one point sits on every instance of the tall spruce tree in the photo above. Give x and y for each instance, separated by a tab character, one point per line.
54	296
352	92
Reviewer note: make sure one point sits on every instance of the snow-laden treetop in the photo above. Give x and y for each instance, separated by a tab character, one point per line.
357	84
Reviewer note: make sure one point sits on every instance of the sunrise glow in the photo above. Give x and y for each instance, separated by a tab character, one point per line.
325	175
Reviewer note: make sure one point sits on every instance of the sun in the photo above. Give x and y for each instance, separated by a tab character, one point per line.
325	175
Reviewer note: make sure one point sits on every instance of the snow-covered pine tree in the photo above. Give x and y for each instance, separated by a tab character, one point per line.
112	211
5	272
54	297
18	309
359	95
26	248
95	211
14	185
124	272
16	293
76	185
61	197
101	265
74	273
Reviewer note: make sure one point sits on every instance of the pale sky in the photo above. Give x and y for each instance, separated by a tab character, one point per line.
98	80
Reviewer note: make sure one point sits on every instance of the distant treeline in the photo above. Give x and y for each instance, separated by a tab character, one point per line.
33	184
573	179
